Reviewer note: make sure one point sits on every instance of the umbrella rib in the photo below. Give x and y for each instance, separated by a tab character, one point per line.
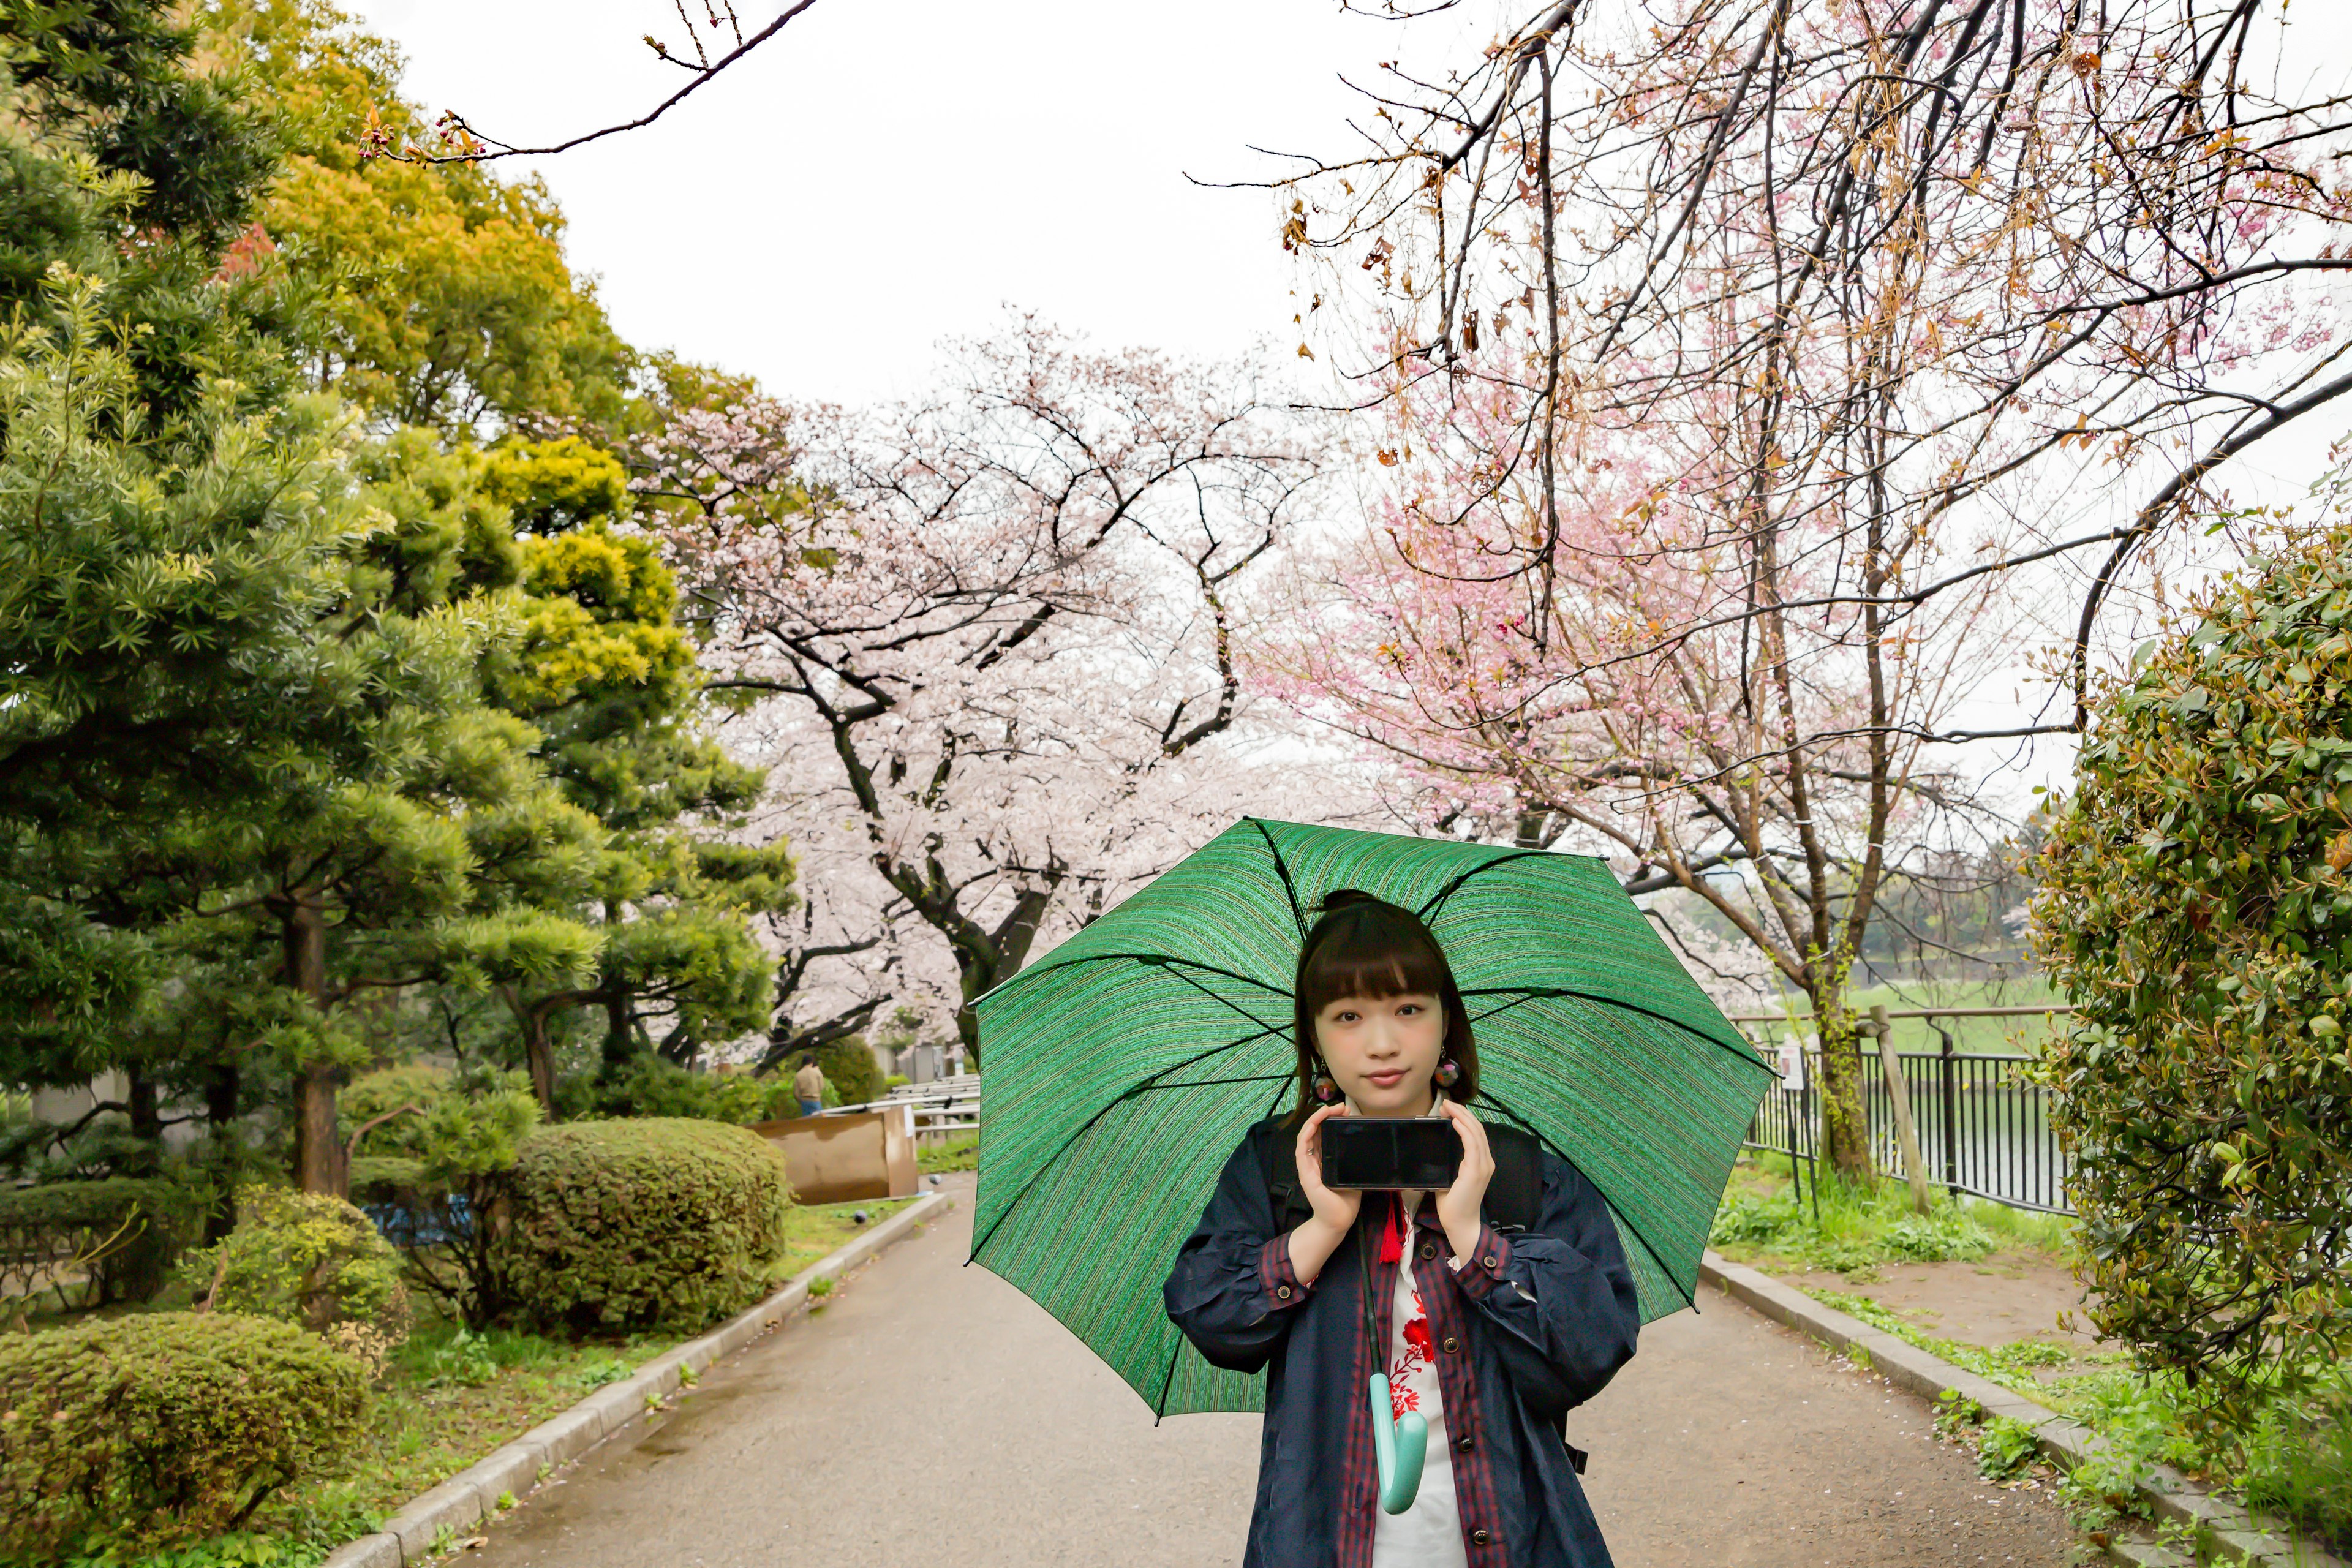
1164	960
1663	1267
1220	1001
1436	900
1282	869
1548	993
1161	1413
1088	1126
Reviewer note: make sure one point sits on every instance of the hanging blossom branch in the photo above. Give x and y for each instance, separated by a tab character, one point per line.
455	139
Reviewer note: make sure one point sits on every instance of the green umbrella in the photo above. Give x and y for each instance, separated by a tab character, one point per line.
1124	1065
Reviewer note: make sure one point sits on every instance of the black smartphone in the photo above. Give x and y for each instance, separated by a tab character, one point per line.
1422	1152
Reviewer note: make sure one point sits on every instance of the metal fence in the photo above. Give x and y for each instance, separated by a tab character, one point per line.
1983	1126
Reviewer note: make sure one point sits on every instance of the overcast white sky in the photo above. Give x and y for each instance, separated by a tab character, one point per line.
880	175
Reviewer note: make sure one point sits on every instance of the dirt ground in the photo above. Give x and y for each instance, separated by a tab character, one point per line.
933	1411
1996	1300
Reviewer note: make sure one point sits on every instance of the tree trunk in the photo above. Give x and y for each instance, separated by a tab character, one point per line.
220	1118
539	1056
147	1122
1845	1117
620	1041
318	1162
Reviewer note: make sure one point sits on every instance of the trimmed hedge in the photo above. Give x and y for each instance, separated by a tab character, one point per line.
163	1426
303	1257
129	1230
662	1222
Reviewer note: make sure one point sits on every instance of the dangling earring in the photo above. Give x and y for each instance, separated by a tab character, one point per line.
1449	1072
1324	1089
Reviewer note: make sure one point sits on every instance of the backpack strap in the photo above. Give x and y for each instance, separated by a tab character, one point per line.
1514	1195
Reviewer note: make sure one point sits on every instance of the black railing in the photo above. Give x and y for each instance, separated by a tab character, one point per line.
1983	1126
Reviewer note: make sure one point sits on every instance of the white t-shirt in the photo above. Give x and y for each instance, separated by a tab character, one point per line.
1429	1533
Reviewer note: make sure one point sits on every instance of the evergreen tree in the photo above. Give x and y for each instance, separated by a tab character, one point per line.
609	677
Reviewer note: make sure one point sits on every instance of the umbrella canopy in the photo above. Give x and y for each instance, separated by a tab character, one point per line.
1125	1065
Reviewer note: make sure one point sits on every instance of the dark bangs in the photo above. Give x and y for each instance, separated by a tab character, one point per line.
1364	947
1371	950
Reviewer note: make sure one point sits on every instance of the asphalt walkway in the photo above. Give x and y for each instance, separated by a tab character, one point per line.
932	1412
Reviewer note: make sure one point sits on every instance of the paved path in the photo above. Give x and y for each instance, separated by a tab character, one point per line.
930	1412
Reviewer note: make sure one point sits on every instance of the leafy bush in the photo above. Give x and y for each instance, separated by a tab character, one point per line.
2196	905
651	1086
2005	1448
2104	1491
452	1158
387	1179
850	1069
303	1257
1944	1235
87	1244
658	1222
2298	1460
896	1081
389	1102
164	1426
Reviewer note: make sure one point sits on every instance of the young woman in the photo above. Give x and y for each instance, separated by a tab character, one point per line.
1493	1336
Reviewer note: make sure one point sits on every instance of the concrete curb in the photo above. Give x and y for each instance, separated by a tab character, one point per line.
2223	1529
471	1496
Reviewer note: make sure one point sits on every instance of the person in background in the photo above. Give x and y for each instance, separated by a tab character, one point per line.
809	1084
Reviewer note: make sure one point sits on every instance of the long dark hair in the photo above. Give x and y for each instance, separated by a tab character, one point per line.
1362	946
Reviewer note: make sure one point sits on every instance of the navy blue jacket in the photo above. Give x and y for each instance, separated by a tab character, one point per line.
1536	1324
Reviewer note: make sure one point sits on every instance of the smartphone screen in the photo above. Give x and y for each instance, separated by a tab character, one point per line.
1390	1152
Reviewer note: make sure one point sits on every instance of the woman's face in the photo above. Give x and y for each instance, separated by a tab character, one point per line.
1382	1052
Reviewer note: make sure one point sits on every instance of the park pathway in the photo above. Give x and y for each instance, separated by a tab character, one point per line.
931	1413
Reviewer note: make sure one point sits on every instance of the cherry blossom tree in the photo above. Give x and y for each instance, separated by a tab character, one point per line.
1756	376
992	631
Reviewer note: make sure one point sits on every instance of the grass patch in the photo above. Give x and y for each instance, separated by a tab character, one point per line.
1865	1226
961	1152
818	1230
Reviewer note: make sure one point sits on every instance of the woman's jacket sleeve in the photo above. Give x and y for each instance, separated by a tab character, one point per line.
1557	1297
1232	1290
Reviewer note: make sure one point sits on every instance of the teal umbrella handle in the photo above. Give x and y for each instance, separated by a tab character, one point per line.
1400	1446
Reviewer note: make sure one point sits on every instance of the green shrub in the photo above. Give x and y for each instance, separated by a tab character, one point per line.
387	1179
2195	895
87	1244
896	1080
303	1257
443	1167
164	1426
650	1085
849	1066
1942	1236
395	1100
2005	1448
2298	1460
658	1222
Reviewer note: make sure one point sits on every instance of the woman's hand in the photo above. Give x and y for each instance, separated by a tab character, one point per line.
1457	1205
1313	1242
